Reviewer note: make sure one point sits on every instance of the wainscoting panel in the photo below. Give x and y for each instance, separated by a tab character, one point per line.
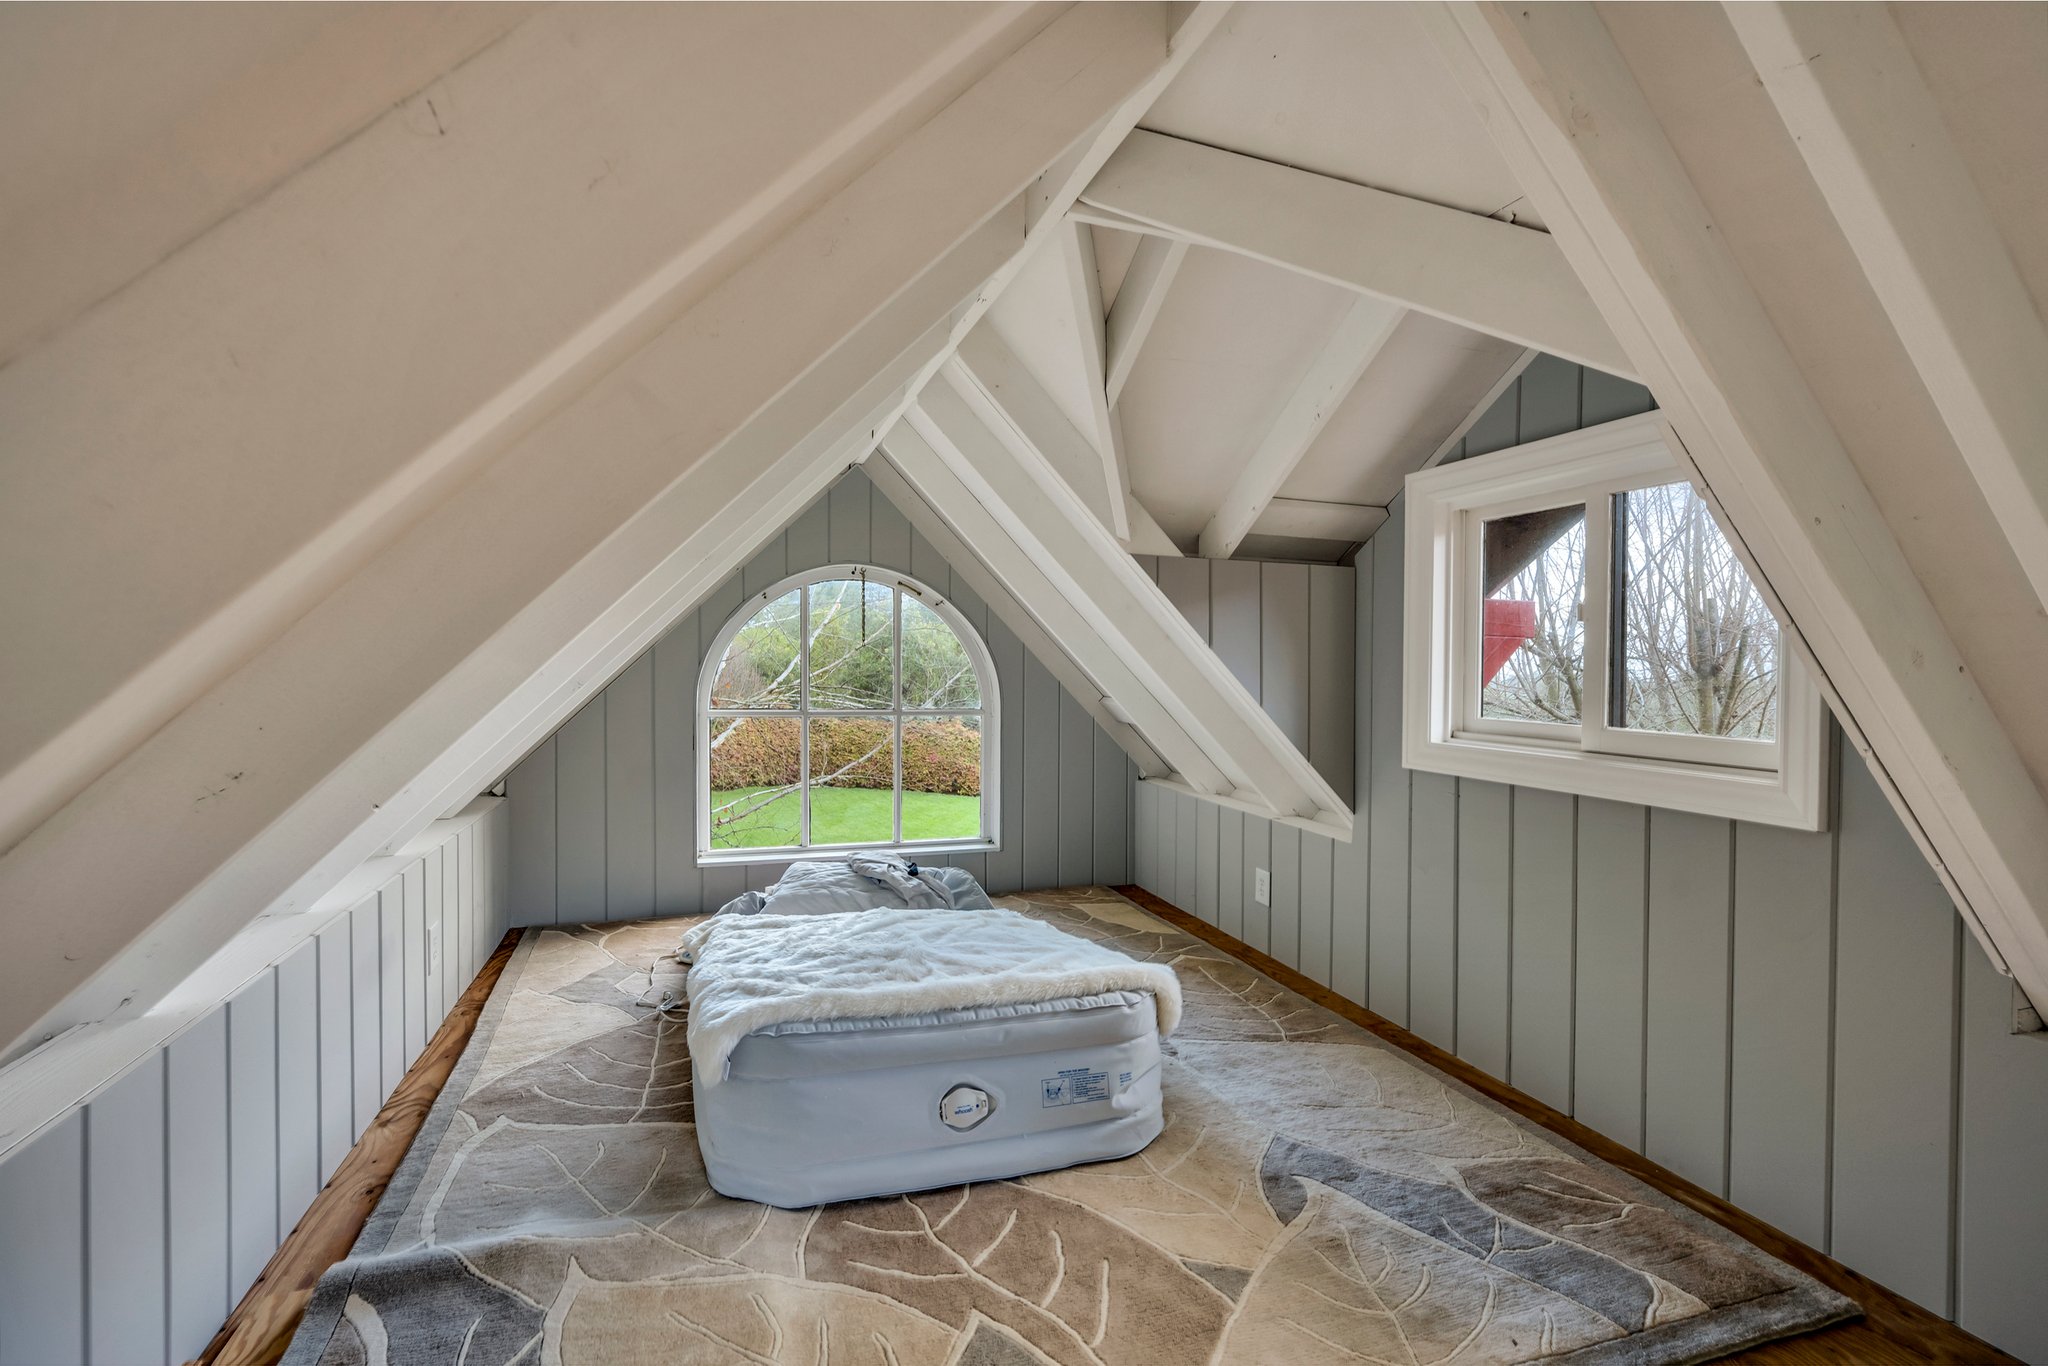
133	1224
603	823
1797	1021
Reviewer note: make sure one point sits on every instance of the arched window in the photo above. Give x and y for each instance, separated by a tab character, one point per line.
846	708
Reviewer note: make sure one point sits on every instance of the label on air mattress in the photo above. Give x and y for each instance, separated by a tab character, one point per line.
1073	1086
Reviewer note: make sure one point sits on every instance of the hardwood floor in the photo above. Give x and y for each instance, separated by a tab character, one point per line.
261	1327
1894	1332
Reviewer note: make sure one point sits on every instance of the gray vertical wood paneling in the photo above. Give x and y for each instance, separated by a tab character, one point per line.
1234	613
391	986
1077	792
1168	817
1231	877
1685	1100
253	1129
1607	1047
415	953
1433	910
1186	849
1316	906
1549	399
1186	585
1258	853
1485	932
809	540
580	816
1607	398
454	922
1144	842
1114	783
2004	1182
891	534
629	792
530	787
1388	788
1040	718
367	1089
678	888
1540	990
1283	649
299	1170
1778	1061
42	1277
1498	426
1006	861
1351	861
849	501
125	1235
1332	661
1895	1016
196	1160
1207	824
1284	931
430	942
337	1102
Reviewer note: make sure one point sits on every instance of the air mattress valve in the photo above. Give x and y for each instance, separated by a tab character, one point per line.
963	1107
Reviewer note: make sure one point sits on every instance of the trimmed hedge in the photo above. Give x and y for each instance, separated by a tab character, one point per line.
938	756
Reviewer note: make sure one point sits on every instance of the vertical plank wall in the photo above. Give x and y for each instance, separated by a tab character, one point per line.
130	1227
603	812
1798	1022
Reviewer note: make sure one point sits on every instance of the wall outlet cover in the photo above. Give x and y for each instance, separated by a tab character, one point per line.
1262	886
433	948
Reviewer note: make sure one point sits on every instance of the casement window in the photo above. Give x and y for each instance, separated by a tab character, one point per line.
1576	620
847	708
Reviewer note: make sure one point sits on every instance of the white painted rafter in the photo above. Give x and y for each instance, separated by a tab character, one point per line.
1137	305
1316	520
1023	414
1067	562
1076	245
1635	228
1493	277
1875	143
1359	336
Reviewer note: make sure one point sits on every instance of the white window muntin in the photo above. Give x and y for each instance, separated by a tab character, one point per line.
896	714
1779	781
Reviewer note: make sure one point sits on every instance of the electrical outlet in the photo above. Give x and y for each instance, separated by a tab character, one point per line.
1262	886
433	949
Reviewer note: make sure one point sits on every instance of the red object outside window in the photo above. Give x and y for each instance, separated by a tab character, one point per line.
1507	625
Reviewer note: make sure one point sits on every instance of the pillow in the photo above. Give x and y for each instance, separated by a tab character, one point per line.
831	887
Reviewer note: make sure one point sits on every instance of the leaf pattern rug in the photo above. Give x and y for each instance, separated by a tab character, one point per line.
1317	1196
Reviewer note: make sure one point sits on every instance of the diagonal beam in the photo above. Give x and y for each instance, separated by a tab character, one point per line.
1876	145
1082	567
1025	416
1091	352
979	550
1137	306
1491	276
1360	334
1634	226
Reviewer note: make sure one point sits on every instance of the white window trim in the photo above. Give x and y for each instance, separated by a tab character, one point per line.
1440	732
989	712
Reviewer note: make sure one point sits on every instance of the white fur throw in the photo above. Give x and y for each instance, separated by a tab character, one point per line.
753	971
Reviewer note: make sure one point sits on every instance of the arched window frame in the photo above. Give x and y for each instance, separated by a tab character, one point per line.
989	713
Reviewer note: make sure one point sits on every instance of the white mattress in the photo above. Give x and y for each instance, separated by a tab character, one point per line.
817	1111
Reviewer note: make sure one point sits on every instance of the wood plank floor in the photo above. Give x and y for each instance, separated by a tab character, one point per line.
1894	1332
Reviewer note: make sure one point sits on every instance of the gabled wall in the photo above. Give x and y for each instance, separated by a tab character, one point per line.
604	811
1797	1022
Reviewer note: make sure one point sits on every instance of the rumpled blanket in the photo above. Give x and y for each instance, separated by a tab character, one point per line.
750	972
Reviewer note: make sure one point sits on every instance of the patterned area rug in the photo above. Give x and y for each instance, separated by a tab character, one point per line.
1317	1196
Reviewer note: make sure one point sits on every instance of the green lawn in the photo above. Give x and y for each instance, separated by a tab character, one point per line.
849	815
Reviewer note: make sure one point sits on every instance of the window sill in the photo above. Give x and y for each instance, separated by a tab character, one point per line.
1796	800
786	854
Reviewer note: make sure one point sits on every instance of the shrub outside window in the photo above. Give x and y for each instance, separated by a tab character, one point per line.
1576	619
845	708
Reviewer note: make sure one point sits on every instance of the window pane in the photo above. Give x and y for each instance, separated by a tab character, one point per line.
756	794
1699	647
937	673
853	780
942	778
852	646
759	669
1532	654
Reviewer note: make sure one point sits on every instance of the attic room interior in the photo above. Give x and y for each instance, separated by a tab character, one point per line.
1003	683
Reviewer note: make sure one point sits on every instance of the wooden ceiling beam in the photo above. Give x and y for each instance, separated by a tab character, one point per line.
1359	336
1076	245
1481	273
1137	305
1877	146
1316	520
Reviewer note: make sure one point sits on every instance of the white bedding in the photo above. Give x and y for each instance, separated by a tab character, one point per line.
750	972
